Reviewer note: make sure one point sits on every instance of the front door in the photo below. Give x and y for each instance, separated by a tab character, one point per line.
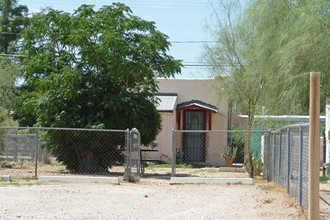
194	143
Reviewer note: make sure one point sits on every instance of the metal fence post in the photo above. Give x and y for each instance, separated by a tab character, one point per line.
127	144
265	161
268	157
173	153
300	164
139	154
37	146
279	157
288	163
16	150
274	146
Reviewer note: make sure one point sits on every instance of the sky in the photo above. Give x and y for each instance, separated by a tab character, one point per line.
184	21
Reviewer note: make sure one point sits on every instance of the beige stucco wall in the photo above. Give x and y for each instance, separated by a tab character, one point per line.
164	138
206	91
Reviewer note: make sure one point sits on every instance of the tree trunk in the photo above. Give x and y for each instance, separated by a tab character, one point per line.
89	162
249	147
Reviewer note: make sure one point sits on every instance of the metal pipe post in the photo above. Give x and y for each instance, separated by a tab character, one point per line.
37	146
173	153
127	144
288	163
279	157
300	164
274	146
268	157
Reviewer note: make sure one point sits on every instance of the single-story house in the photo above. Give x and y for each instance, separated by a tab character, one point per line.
191	104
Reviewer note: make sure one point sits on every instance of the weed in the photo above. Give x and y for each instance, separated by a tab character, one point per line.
267	187
323	178
269	200
60	171
55	163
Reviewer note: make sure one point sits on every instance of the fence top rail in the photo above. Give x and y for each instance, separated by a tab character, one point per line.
221	131
299	125
70	129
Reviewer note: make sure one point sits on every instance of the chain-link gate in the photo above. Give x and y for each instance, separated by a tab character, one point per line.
31	152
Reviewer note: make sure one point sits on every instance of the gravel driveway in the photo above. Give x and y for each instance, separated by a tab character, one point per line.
149	199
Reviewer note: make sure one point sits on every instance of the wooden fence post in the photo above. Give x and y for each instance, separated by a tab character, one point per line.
314	146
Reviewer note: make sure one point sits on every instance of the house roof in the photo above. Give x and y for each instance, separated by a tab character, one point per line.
166	101
199	104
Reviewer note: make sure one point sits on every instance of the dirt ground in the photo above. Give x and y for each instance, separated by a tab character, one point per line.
151	198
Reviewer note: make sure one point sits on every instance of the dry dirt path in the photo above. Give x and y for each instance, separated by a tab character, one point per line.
149	199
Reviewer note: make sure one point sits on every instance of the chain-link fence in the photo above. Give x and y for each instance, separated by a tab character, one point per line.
31	152
208	153
288	159
282	156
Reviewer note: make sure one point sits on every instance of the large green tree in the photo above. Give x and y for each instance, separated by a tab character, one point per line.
14	18
94	69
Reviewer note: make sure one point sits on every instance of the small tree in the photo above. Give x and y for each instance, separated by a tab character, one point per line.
291	40
230	61
95	69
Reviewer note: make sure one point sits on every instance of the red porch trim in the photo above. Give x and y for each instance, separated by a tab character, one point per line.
196	107
210	120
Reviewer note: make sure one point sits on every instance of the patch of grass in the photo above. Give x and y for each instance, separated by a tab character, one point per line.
21	184
188	165
238	183
267	187
56	163
183	175
162	164
211	170
9	184
323	178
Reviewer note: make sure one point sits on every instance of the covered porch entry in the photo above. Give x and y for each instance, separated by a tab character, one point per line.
194	115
